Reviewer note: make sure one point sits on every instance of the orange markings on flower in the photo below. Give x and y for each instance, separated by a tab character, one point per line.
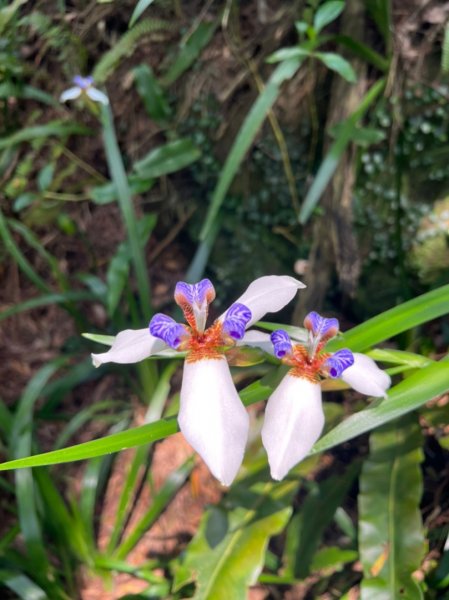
305	366
210	344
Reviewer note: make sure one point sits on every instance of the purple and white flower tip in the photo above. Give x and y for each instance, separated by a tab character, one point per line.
294	416
236	320
320	327
211	417
84	86
281	343
168	330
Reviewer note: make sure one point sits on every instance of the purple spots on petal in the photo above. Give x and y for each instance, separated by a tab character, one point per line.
281	343
236	320
338	362
320	326
83	82
204	291
166	329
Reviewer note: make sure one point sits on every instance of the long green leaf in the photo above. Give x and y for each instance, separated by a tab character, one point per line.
140	7
401	318
159	503
45	300
169	158
56	128
127	439
410	394
391	539
118	175
330	162
241	145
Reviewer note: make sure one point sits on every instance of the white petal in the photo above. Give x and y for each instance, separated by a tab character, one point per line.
130	346
97	96
212	417
293	422
366	377
268	294
257	339
70	94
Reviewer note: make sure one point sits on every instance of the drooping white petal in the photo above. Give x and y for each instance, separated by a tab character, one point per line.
212	417
268	294
257	339
130	346
70	94
97	95
366	377
293	422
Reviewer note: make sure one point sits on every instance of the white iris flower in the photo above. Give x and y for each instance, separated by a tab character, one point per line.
294	417
84	86
212	416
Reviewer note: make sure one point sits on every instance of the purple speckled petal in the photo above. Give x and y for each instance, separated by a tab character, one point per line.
83	82
166	329
339	362
320	326
237	318
281	343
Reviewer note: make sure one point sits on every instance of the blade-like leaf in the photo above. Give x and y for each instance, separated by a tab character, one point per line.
140	7
413	392
127	439
330	162
57	128
391	539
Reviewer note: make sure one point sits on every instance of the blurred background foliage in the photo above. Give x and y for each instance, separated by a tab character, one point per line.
242	139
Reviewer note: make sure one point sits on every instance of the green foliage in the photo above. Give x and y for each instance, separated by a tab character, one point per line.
391	537
227	554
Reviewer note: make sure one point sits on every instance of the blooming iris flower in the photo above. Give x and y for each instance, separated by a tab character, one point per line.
84	85
294	415
212	416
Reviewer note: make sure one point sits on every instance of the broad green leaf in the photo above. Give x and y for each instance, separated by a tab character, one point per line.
169	158
306	529
408	395
140	7
58	128
333	157
391	539
227	554
151	93
326	13
337	63
189	50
